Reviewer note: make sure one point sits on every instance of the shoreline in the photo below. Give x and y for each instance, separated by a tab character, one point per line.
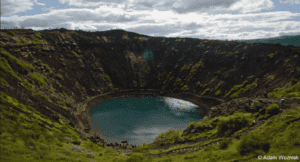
83	115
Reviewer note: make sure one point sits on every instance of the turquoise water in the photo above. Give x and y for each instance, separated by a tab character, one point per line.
140	119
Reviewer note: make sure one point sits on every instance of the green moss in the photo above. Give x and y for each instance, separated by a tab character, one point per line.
3	81
271	56
205	91
250	87
286	61
214	79
178	82
51	91
271	77
186	67
236	87
273	109
21	63
235	122
106	77
6	69
184	88
27	86
41	95
170	136
47	67
62	104
39	61
37	35
11	33
23	42
236	94
39	78
218	93
253	143
196	66
59	76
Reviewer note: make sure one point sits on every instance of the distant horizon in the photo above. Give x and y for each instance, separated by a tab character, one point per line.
199	19
158	36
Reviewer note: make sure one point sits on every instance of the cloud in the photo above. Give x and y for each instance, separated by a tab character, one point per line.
11	7
209	19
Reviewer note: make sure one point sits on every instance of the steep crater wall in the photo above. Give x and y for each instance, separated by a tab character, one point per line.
82	65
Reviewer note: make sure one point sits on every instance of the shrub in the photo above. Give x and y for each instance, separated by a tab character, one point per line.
3	81
218	92
184	88
225	143
38	78
271	56
59	77
252	142
205	91
11	33
100	144
272	109
90	145
141	149
42	96
198	84
227	127
48	68
50	91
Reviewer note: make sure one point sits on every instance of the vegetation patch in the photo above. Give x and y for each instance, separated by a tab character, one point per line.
214	79
292	92
178	82
236	87
226	127
39	78
271	77
205	91
58	76
21	63
41	95
184	88
271	110
3	81
62	104
218	93
169	137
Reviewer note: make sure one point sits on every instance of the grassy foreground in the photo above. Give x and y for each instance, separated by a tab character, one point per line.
24	139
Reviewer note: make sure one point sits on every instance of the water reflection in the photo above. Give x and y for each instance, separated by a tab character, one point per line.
140	119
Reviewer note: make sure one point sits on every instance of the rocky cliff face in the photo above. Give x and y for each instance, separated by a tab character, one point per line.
59	69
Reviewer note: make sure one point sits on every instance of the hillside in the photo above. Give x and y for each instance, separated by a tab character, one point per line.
51	79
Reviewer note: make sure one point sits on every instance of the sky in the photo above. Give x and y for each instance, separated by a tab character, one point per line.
202	19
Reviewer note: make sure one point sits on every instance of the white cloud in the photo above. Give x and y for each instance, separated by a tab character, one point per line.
11	7
209	19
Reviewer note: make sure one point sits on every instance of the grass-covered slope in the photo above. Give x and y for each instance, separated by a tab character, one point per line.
26	135
41	92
